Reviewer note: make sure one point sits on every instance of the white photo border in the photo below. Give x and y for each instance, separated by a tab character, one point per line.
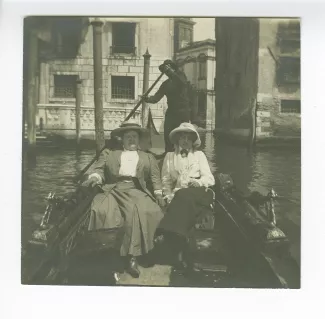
88	302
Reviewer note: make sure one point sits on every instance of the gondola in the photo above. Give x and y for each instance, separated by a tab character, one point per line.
234	244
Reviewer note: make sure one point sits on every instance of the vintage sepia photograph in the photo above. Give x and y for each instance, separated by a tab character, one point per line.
161	151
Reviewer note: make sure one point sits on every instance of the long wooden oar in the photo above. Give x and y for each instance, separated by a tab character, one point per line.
85	169
143	96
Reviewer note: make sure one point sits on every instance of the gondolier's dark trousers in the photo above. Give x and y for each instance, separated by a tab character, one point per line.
184	210
172	120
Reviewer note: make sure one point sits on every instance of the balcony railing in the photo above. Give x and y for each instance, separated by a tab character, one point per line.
63	117
123	49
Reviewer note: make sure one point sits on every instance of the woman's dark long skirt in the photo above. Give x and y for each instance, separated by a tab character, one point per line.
183	211
130	208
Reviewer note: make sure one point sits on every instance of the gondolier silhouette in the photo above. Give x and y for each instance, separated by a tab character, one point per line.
176	89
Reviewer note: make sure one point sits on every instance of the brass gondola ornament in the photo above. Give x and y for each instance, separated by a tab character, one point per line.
49	208
269	206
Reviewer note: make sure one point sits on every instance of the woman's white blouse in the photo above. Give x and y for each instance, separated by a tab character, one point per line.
129	162
178	171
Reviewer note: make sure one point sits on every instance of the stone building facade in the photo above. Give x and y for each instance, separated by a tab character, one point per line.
67	55
197	60
278	97
183	33
258	78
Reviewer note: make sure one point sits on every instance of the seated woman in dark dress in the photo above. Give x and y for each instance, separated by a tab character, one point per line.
125	200
185	176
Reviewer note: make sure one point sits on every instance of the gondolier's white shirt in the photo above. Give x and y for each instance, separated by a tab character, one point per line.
178	171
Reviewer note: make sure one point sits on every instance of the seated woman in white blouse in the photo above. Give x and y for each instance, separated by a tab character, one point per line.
185	176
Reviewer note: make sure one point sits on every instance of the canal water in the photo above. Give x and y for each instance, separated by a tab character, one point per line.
261	170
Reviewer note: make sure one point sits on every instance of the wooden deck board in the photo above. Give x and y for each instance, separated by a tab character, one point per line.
159	275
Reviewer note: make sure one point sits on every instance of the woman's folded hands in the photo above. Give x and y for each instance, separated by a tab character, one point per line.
168	198
193	183
92	181
160	200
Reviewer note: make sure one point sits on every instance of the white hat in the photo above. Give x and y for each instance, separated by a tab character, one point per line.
185	127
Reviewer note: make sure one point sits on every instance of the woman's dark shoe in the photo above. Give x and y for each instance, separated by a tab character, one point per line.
133	269
148	260
159	240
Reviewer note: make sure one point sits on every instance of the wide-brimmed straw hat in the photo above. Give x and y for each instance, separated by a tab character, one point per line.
129	125
185	127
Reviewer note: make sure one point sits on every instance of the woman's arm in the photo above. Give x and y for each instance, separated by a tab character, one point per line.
155	175
207	179
99	168
167	181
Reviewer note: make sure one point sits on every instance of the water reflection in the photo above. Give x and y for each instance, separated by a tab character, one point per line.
259	171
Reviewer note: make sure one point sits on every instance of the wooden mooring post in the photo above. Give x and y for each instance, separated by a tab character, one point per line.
78	105
98	79
216	83
145	109
252	131
32	61
145	142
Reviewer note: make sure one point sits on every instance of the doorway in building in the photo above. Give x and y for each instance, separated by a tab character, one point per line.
202	108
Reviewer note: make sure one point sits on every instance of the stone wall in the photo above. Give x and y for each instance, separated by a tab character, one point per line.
83	67
253	70
153	34
61	119
271	122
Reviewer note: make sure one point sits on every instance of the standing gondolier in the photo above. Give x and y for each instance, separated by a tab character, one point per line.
175	88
